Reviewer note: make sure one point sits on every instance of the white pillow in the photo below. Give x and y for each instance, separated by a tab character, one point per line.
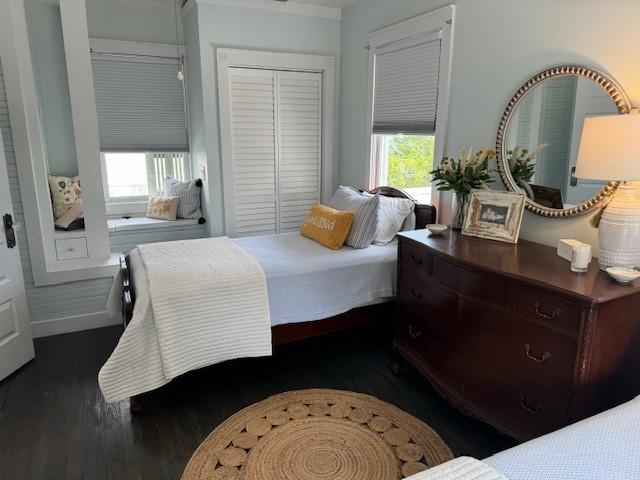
392	212
410	222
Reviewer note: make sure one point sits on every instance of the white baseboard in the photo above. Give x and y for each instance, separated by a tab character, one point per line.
75	323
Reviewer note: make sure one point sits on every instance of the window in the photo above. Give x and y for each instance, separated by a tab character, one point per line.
129	178
141	124
405	162
408	91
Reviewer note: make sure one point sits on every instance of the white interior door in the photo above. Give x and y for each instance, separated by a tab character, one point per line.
299	129
271	126
16	345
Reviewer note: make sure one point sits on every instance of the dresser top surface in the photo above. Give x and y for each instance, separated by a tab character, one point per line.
527	261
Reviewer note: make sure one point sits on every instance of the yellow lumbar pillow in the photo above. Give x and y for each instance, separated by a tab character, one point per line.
327	226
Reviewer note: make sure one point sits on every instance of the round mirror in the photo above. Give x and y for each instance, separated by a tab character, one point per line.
539	137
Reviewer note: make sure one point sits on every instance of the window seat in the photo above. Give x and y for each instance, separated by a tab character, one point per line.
144	223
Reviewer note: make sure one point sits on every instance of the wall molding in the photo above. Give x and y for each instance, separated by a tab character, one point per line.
270	6
74	323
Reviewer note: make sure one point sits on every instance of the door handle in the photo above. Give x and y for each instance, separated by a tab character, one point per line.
9	231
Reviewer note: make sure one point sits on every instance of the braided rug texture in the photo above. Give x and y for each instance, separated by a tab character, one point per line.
318	434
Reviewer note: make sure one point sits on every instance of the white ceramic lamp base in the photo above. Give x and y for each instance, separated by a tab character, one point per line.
619	233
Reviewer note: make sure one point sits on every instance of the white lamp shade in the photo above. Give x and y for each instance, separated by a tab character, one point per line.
610	148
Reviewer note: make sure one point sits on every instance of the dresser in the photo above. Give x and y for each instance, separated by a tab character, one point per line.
509	335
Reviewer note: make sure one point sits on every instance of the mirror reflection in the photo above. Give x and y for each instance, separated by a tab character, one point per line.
543	137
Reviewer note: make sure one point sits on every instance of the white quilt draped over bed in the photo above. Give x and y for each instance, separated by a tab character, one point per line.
205	302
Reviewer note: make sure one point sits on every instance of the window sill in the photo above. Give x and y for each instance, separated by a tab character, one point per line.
144	223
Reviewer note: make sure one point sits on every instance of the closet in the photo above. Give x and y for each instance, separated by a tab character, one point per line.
272	166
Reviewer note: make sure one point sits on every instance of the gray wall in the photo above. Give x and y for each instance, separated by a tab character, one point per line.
50	71
498	44
245	28
120	23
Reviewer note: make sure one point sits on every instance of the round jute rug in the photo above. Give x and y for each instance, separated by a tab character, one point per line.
316	435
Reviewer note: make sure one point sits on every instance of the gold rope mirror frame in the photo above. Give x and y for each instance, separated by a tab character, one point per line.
608	85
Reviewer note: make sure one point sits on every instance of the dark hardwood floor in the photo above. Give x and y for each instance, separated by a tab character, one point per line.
54	423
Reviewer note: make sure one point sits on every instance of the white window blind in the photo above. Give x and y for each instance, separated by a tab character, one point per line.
406	85
276	150
140	104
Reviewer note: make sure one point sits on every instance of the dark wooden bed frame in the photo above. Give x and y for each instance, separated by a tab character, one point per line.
371	315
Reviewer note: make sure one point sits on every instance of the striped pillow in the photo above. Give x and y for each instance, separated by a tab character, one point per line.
189	193
365	223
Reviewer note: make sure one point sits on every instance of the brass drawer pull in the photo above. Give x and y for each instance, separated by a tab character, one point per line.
525	406
417	295
545	356
413	334
548	316
417	260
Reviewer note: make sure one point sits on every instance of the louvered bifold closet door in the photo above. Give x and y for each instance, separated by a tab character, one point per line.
299	113
253	131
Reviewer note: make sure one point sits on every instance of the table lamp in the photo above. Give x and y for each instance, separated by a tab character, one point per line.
610	150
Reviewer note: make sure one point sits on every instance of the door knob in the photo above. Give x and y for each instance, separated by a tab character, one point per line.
9	231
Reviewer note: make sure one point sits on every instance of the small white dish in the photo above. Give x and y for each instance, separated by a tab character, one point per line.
436	228
623	275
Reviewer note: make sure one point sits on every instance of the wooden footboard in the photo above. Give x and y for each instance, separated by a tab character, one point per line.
127	290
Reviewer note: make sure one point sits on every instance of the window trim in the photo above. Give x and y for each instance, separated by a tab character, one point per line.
441	19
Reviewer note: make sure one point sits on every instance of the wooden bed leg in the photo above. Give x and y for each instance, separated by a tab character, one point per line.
135	405
398	363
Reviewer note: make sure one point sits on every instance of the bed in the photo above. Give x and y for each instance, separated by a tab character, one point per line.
603	447
305	286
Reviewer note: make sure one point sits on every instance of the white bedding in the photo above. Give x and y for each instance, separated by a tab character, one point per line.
305	282
202	302
604	447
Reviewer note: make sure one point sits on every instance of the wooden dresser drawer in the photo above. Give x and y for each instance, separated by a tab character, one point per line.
421	296
481	286
525	353
413	256
537	408
439	352
547	308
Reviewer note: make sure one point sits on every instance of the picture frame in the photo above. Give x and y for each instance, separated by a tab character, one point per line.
494	215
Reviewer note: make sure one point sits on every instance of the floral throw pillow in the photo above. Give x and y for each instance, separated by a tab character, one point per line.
163	208
65	193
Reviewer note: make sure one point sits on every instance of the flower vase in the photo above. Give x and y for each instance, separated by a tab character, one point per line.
459	205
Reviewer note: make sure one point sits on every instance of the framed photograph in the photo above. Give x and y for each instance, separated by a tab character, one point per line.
494	215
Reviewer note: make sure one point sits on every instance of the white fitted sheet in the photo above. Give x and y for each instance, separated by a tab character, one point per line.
604	447
306	281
